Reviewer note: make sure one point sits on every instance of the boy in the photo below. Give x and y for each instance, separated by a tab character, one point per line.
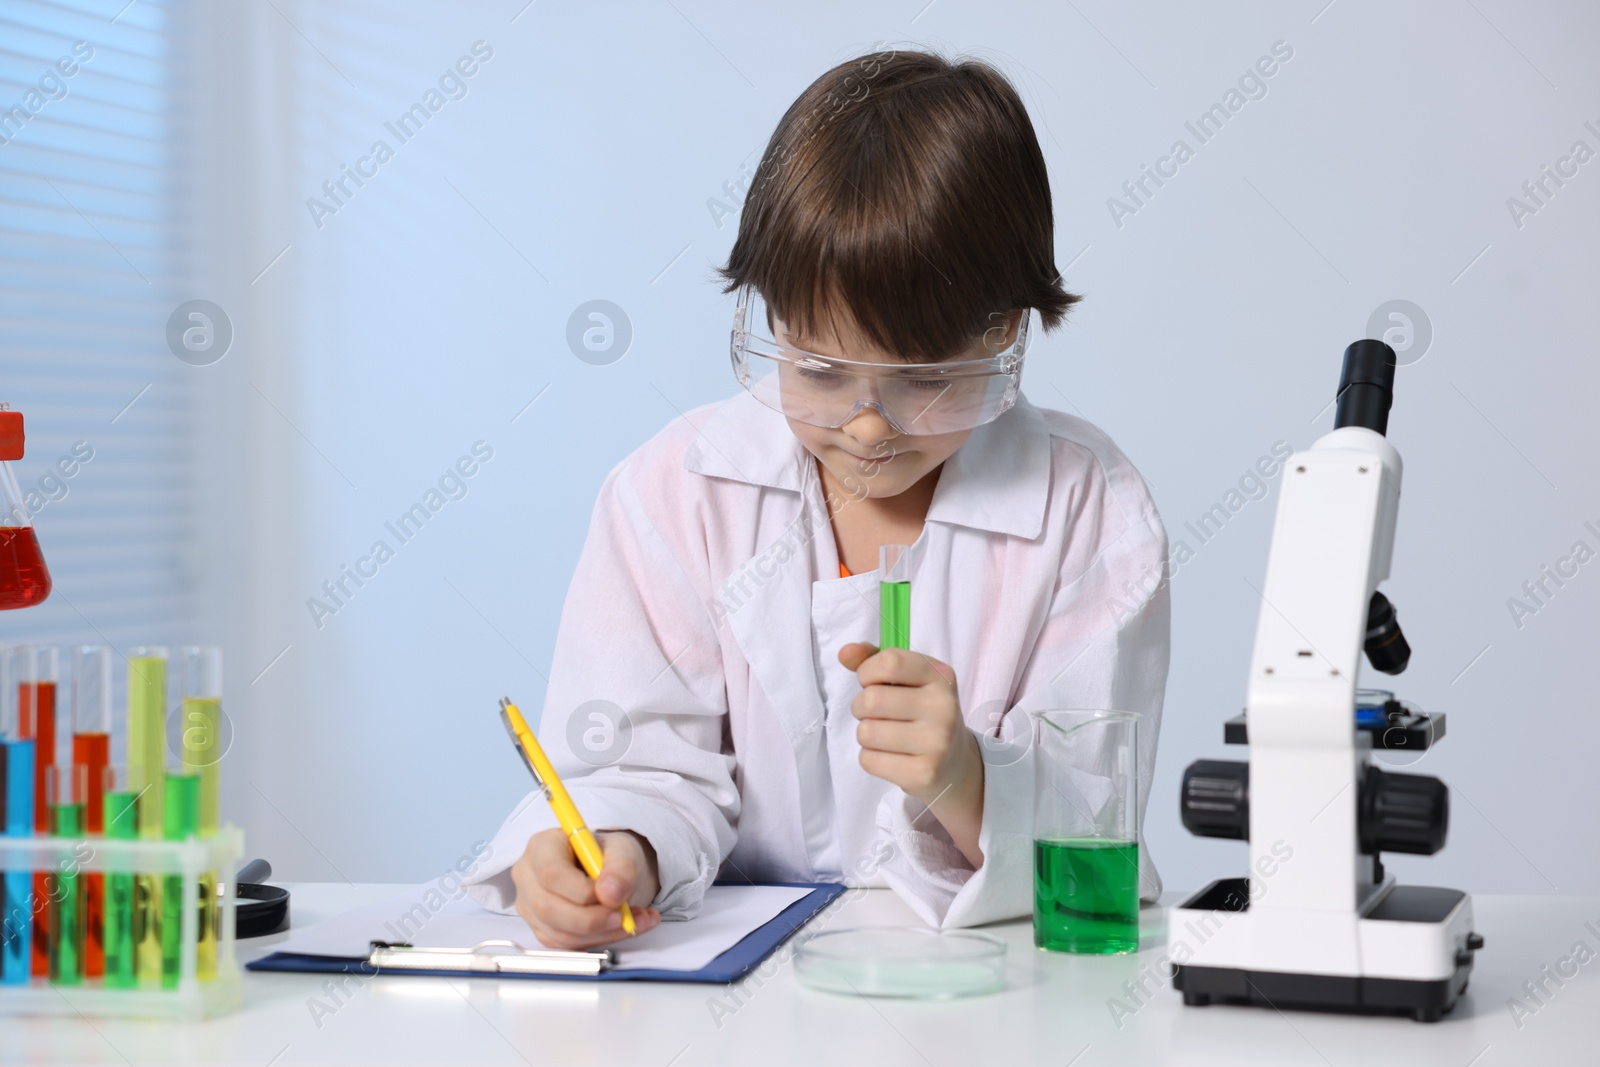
715	705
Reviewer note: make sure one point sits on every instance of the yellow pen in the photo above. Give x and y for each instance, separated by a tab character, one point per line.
583	843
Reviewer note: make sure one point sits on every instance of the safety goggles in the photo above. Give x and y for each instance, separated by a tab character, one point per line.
914	398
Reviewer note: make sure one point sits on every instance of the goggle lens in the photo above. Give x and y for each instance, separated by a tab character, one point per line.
916	399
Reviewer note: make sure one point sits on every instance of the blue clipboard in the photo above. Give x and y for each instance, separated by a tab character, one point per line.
731	966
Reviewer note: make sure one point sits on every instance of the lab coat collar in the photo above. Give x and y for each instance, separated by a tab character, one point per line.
999	480
743	440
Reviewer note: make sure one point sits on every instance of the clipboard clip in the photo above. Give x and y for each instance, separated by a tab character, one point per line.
488	957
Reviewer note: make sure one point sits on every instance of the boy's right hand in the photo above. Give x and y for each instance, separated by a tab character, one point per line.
565	908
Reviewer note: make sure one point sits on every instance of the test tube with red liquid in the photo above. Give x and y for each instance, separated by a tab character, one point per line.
35	669
91	750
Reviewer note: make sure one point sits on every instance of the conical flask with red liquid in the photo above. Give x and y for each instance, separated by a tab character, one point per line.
24	580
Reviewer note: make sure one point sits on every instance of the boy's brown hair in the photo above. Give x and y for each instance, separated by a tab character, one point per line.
908	192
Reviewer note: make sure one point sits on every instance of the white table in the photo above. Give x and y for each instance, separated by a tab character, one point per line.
1054	1011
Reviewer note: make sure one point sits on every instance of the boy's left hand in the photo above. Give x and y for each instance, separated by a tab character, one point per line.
912	734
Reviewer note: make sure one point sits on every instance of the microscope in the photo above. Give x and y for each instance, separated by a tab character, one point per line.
1317	923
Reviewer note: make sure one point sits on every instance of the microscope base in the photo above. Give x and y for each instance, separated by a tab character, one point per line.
1427	1002
1222	969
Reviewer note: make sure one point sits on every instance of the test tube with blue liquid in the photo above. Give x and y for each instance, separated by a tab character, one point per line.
894	596
16	890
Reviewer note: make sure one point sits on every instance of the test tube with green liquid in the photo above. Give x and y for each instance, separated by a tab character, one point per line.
181	816
67	792
120	939
200	751
894	596
147	724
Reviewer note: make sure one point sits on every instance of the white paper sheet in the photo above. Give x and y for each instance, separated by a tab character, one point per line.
425	918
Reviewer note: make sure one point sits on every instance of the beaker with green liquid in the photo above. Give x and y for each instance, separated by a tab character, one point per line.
1086	832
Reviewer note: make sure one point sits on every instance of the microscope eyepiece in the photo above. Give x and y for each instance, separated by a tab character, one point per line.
1366	386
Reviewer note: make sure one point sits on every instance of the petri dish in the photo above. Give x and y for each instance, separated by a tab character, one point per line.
902	961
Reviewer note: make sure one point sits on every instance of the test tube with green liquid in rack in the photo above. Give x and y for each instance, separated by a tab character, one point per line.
147	724
67	792
120	938
894	596
180	812
200	752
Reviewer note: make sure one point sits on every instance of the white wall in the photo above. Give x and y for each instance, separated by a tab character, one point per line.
432	307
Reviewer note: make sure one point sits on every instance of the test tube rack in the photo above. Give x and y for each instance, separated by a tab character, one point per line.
192	999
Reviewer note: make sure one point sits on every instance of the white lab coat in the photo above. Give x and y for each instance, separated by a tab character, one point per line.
707	606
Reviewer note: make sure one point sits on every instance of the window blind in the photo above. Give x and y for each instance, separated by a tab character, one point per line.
92	263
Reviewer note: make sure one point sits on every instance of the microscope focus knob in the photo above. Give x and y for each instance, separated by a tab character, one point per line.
1403	813
1215	799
